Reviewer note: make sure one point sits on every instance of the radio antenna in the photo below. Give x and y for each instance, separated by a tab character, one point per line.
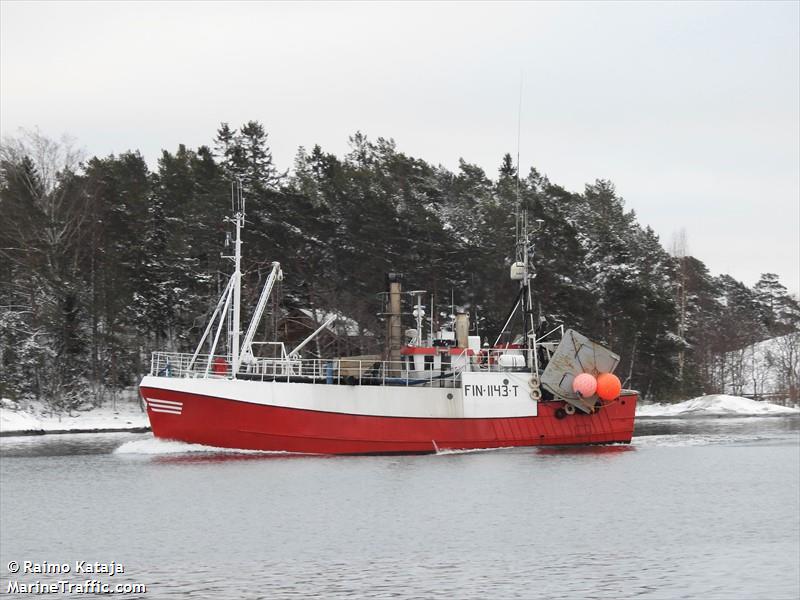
519	127
519	226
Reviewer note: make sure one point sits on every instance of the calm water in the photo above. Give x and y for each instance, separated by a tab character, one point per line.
695	508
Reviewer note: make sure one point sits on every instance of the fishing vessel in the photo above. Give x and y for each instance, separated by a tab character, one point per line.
430	391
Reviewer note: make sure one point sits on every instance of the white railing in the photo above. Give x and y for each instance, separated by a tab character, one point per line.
345	371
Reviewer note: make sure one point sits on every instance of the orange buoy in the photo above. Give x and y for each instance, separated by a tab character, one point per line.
608	386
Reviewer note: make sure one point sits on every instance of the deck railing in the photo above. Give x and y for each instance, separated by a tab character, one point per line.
348	371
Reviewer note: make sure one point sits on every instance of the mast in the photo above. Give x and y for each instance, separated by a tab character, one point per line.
525	277
523	252
237	278
229	306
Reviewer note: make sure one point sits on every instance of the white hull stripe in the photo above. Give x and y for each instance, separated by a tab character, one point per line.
165	406
161	404
171	412
166	402
157	404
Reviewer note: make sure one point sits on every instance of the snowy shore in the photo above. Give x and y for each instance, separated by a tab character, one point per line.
34	419
128	415
717	405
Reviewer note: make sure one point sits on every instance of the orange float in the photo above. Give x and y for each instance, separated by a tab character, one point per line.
608	386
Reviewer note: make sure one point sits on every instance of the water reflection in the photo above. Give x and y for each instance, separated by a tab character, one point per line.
196	458
711	425
65	444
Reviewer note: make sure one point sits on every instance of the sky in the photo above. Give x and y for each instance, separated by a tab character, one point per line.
691	109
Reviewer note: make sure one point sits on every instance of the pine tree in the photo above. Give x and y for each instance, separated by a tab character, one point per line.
118	188
780	313
245	156
702	321
507	169
259	171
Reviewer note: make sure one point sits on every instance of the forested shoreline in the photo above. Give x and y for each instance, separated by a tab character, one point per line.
103	260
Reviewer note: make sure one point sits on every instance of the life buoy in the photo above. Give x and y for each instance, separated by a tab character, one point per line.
569	409
536	394
534	381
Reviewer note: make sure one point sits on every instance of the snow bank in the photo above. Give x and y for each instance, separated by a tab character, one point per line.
715	405
11	420
128	415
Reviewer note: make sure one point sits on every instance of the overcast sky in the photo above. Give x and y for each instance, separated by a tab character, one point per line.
691	109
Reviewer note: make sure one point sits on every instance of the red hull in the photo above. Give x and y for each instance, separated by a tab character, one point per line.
233	424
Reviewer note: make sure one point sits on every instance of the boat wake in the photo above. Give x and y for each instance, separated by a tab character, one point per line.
155	446
450	451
